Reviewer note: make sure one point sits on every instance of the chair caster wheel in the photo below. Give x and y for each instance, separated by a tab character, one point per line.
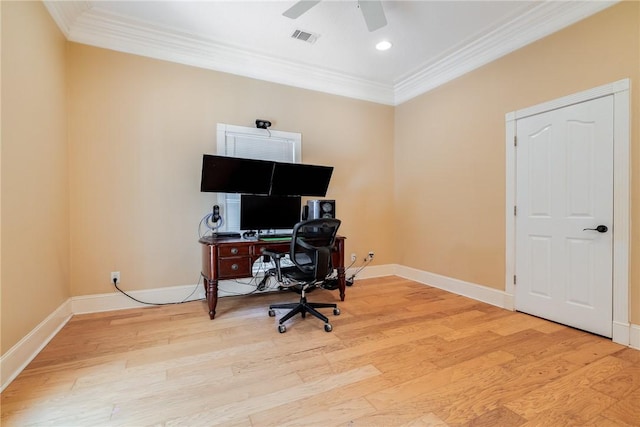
336	311
328	327
282	329
272	313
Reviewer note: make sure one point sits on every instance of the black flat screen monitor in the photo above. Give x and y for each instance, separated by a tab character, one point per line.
269	212
221	174
300	179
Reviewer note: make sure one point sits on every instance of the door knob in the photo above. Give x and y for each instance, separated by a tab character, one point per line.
599	229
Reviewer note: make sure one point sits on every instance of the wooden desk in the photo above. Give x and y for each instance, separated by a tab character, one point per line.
233	259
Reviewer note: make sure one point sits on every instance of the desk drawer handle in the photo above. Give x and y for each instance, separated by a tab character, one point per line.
234	251
235	267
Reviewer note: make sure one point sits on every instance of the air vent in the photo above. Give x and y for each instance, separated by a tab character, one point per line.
304	36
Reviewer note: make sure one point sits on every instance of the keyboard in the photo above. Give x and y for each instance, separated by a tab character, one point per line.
226	235
275	236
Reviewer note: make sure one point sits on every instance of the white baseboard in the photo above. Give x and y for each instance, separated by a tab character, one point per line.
118	301
21	354
621	333
372	271
634	336
478	292
233	288
624	334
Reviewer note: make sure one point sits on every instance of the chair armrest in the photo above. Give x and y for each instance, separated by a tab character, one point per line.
276	256
273	254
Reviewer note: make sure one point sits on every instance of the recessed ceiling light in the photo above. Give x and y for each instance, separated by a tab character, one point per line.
383	45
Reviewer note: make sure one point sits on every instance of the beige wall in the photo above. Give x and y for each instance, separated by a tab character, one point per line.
35	215
138	128
450	146
111	181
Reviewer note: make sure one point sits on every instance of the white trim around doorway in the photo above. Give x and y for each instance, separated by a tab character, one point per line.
621	193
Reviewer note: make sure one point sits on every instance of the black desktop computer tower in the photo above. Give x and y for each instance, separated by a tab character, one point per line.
320	209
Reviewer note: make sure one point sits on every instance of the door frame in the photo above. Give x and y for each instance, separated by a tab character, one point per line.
621	194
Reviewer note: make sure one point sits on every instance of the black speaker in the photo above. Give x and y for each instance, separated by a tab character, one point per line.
321	209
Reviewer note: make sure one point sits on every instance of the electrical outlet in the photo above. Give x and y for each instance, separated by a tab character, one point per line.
354	256
115	275
371	254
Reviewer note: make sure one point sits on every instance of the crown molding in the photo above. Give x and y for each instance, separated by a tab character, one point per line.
542	20
66	13
85	23
96	27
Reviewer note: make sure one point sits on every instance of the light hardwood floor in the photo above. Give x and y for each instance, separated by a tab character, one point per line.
401	353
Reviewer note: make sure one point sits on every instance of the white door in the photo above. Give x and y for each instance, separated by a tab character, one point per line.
564	188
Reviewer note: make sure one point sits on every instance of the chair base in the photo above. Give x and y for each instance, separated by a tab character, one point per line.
303	307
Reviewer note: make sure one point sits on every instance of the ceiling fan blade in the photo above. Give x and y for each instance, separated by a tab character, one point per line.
299	8
373	14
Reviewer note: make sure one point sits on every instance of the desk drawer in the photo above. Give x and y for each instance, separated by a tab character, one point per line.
234	267
233	251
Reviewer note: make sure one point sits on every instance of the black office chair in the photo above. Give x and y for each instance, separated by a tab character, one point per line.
310	251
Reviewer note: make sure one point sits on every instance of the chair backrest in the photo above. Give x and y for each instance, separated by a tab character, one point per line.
312	244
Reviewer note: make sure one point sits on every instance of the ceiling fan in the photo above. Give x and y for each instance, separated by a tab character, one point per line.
371	11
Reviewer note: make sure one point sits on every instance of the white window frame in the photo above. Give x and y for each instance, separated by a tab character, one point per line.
252	143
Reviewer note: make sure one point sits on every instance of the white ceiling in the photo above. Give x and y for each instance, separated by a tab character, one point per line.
433	41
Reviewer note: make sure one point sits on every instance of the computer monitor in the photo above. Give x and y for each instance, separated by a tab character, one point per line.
221	174
269	212
300	179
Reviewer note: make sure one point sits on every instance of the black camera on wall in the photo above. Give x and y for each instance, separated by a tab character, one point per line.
262	124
